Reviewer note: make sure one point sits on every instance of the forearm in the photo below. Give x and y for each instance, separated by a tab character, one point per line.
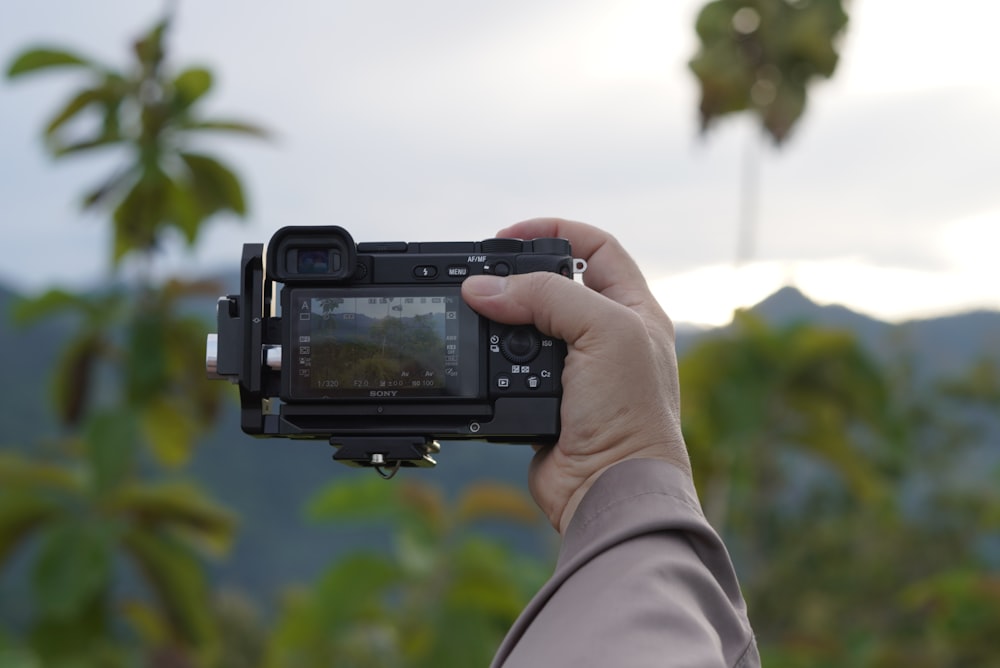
642	579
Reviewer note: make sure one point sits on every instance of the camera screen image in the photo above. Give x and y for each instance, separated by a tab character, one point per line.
345	344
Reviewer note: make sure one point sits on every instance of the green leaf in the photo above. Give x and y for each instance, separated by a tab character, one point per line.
105	99
74	106
170	430
140	214
22	513
17	471
715	21
214	185
110	189
150	50
178	583
30	310
359	498
179	508
60	150
227	126
39	59
190	85
147	362
73	568
356	588
486	580
186	211
71	384
110	439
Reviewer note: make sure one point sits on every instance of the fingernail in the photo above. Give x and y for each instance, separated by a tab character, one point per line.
485	286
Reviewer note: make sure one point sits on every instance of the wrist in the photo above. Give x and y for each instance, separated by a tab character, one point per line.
574	500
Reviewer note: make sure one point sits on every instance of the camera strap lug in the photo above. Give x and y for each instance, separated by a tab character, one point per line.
385	454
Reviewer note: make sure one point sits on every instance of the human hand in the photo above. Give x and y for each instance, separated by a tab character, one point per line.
621	398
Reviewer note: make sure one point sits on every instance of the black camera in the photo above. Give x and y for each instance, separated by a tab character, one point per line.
374	349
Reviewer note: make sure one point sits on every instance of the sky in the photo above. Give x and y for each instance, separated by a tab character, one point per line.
447	119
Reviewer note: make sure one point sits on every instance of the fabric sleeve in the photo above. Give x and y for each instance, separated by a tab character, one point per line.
641	580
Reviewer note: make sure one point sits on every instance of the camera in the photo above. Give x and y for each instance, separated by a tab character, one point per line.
371	347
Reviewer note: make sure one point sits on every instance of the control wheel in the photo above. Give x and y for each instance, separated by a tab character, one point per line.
520	345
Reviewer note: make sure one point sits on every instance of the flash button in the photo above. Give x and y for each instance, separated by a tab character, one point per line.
425	271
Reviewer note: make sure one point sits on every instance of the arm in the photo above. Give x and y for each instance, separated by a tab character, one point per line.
642	579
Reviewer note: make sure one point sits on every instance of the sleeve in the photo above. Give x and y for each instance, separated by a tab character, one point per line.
642	579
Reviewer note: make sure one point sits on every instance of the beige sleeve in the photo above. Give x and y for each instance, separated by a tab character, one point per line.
641	580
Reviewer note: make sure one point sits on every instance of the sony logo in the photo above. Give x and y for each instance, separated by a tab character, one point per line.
477	259
382	393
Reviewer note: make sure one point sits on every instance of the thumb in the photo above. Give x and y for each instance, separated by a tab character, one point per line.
556	305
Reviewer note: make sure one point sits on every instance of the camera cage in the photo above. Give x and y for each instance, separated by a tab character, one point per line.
252	347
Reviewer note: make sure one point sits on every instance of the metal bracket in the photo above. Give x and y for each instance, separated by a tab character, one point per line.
384	453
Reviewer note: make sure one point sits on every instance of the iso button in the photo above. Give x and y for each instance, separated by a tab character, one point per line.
425	271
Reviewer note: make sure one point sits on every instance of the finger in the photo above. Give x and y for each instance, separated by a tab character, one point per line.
558	307
610	269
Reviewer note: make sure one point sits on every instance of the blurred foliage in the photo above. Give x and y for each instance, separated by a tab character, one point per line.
841	487
442	595
811	390
104	505
153	114
80	518
761	56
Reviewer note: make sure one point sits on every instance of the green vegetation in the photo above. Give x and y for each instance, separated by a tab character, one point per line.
129	391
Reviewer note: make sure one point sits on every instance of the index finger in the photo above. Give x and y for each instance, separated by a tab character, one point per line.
610	269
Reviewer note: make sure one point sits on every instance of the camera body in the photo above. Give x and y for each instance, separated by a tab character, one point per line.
375	350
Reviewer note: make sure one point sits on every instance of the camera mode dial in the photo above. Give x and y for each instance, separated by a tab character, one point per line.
520	345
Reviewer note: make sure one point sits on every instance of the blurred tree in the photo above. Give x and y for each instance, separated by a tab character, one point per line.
762	397
442	596
759	56
843	489
129	389
153	114
81	514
